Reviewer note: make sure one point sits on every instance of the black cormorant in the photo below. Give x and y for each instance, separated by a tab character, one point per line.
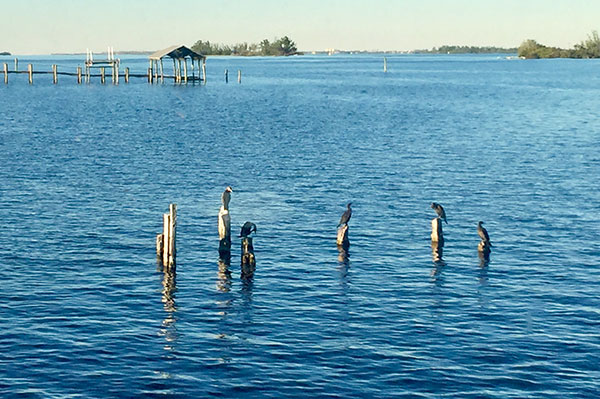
247	229
346	215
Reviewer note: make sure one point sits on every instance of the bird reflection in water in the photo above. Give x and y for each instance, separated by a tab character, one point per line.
168	328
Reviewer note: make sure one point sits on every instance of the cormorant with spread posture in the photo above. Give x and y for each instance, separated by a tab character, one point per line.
247	229
485	237
226	197
439	210
346	215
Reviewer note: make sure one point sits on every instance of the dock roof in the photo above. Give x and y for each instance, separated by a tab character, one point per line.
176	52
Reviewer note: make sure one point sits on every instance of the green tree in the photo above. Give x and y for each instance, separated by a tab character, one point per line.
285	46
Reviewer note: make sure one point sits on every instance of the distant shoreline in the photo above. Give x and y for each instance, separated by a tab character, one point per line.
4	53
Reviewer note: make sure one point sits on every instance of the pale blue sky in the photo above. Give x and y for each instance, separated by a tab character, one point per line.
45	26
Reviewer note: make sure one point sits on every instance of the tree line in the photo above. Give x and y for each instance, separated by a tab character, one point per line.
279	46
447	49
589	48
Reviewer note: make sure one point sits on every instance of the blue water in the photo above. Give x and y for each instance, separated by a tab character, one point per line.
87	172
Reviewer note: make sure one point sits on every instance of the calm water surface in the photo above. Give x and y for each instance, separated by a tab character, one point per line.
87	172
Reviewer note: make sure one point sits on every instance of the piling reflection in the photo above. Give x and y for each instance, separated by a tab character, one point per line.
224	275
437	251
168	328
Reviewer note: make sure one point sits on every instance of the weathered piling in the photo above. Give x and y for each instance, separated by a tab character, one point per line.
384	64
437	235
483	251
224	231
30	72
5	73
172	233
54	74
248	260
102	75
78	75
16	65
239	76
342	236
437	251
165	243
160	244
127	75
226	76
185	72
204	70
484	247
116	73
149	75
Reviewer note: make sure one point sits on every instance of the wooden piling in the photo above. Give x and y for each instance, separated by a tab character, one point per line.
239	76
437	251
224	230
162	75
226	76
165	252
149	75
78	75
54	74
30	71
248	260
174	71
16	65
102	75
437	235
185	75
160	244
5	73
484	247
384	64
172	234
204	70
342	235
127	75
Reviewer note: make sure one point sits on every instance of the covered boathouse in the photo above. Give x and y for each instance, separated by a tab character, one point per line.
180	56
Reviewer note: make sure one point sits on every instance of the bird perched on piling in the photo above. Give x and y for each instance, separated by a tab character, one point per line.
485	237
439	210
346	215
247	229
226	197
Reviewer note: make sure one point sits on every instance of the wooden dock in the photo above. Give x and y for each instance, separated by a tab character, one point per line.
110	67
101	71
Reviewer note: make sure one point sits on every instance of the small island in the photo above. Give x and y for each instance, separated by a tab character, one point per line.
4	53
278	47
589	48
